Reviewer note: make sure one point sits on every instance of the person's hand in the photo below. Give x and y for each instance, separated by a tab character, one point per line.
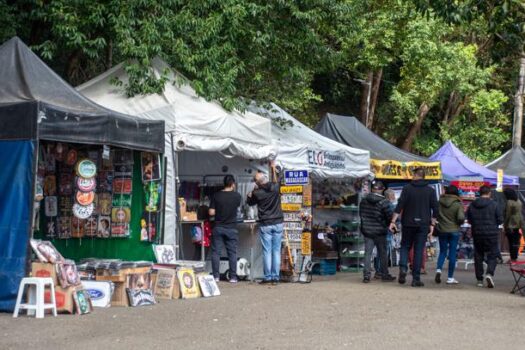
431	231
250	194
392	227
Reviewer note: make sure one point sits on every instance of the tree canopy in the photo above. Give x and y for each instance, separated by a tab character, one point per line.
416	72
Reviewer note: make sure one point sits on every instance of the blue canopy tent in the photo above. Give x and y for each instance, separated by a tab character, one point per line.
36	104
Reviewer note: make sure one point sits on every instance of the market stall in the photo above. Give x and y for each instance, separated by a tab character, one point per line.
203	142
43	118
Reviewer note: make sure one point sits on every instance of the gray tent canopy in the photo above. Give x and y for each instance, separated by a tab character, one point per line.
512	163
35	103
351	132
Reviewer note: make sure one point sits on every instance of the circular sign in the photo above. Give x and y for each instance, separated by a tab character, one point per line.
71	157
86	169
86	185
82	211
85	198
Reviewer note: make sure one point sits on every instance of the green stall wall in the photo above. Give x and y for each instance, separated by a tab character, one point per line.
112	248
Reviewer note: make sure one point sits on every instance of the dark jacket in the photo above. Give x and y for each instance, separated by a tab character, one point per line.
417	204
268	201
513	218
451	215
376	213
485	217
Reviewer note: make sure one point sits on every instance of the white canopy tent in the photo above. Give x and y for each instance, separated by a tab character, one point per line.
192	124
301	148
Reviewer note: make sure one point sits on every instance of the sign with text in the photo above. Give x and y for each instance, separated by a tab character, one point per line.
306	243
290	206
469	190
296	177
326	159
392	169
292	198
292	189
295	236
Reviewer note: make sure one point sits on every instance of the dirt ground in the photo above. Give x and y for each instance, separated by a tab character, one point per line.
330	313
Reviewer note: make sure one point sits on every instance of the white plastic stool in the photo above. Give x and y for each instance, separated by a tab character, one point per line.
35	304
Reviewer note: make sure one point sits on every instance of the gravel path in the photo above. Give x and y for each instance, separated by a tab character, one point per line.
331	313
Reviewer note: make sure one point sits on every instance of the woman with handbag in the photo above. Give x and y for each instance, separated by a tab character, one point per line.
451	216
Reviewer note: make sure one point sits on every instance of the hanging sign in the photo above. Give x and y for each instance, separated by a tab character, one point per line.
291	206
292	189
86	169
469	190
296	177
81	211
306	243
86	185
392	169
499	185
332	160
292	198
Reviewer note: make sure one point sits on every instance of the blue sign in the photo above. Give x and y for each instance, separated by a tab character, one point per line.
296	177
95	294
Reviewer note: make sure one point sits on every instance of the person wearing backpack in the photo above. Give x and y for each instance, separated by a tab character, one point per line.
513	222
450	218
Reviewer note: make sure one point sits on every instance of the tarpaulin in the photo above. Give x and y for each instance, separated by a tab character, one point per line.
16	190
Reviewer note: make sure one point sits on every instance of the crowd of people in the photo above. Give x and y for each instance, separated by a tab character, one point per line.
422	215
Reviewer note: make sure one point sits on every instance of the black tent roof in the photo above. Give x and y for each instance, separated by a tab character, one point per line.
35	103
351	132
512	162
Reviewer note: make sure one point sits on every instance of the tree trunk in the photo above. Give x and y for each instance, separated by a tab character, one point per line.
72	67
411	135
376	82
518	104
109	54
365	98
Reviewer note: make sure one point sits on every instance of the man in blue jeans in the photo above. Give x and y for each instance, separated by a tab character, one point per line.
418	207
267	197
223	207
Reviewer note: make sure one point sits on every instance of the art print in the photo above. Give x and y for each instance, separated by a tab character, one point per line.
104	226
140	297
121	200
104	203
119	230
122	185
90	226
64	227
208	286
164	284
152	196
77	227
51	206
121	215
82	302
122	156
188	286
46	251
165	254
150	165
51	227
50	161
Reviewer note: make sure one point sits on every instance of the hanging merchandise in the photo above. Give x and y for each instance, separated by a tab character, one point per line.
122	156
152	192
150	165
86	169
64	227
104	226
50	185
77	227
71	157
121	200
122	185
65	183
85	198
51	206
86	184
105	180
83	211
120	218
90	227
104	204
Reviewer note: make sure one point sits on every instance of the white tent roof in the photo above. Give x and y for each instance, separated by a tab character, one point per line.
197	124
301	148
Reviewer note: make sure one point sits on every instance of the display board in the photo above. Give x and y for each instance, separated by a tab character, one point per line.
395	170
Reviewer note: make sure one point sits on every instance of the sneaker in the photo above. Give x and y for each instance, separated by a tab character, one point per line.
452	281
423	272
402	277
217	279
366	279
266	282
234	280
438	276
480	284
490	281
417	284
377	276
275	282
388	278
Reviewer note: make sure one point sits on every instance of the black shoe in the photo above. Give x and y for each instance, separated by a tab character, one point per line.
417	284
438	277
266	282
366	279
388	278
377	276
402	277
275	282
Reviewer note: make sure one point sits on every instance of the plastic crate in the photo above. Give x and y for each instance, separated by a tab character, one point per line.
325	267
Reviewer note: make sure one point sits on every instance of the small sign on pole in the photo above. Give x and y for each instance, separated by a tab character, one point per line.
499	184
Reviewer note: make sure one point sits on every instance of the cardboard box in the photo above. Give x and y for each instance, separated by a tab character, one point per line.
120	296
39	269
63	298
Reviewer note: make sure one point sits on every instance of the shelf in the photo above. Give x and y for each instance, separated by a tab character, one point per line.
351	269
353	255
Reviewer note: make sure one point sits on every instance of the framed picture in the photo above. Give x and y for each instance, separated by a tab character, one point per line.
104	226
208	286
165	254
150	165
188	285
140	297
104	203
122	185
46	251
164	284
67	274
51	206
121	215
119	230
122	156
90	226
82	302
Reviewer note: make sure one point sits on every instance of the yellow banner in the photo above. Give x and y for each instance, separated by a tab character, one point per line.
306	243
392	169
499	186
292	189
291	206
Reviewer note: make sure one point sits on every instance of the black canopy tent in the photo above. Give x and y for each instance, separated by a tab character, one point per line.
350	131
512	163
36	104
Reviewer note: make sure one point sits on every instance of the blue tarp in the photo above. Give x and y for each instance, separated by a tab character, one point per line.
16	184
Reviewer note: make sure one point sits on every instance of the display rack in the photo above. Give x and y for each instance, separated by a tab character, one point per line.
350	241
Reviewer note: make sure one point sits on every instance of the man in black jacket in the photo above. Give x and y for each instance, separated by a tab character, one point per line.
485	218
418	207
267	197
376	213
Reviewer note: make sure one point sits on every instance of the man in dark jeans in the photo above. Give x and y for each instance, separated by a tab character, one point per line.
376	213
223	206
418	207
485	218
267	197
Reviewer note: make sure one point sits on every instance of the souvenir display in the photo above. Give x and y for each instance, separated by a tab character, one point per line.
122	185
90	227
105	179
164	283
122	156
64	227
71	157
82	302
60	152
121	215
208	286
51	206
165	254
188	286
83	212
119	230
86	185
104	226
85	198
121	200
140	297
65	205
152	195
67	274
150	165
65	184
50	185
104	204
46	251
86	168
148	227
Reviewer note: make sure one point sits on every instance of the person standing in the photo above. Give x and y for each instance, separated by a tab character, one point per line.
450	218
513	222
267	197
418	207
223	206
485	218
376	213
